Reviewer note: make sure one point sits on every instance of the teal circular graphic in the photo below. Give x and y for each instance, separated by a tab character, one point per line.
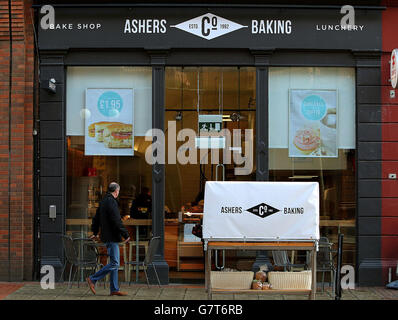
313	107
110	104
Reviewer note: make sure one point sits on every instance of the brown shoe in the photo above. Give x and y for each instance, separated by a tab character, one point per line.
90	284
119	293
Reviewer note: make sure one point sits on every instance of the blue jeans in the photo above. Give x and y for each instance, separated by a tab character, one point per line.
112	267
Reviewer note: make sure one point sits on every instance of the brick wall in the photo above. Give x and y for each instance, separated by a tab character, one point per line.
16	141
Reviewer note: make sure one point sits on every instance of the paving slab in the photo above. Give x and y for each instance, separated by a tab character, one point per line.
223	296
242	296
295	297
270	296
148	293
195	294
33	291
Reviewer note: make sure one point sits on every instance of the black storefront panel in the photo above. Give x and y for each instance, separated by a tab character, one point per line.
264	37
203	28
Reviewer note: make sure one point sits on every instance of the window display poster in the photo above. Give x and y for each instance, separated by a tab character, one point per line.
109	124
313	123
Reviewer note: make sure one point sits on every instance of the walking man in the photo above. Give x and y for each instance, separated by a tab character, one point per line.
108	221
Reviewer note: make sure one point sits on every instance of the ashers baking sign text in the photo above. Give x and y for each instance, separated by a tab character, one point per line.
207	26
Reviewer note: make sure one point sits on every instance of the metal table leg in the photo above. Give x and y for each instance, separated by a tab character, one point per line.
208	269
81	252
313	269
137	253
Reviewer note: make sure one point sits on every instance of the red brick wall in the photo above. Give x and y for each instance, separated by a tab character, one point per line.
16	148
389	118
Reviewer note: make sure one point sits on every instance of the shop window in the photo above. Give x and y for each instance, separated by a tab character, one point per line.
122	95
312	138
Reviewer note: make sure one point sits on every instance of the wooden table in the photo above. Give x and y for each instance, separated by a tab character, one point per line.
336	223
288	245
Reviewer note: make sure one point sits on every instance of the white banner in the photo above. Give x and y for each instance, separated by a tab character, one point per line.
260	211
313	123
109	128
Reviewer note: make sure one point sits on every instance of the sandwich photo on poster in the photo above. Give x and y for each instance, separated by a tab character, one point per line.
109	129
313	123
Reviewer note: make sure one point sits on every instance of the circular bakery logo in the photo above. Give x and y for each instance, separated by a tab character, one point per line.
313	107
110	104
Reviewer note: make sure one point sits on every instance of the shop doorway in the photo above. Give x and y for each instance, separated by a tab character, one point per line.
217	101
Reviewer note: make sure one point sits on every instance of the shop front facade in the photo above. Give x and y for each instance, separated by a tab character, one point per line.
251	71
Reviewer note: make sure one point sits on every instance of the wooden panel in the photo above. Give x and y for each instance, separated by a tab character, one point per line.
51	148
369	94
369	189
389	113
45	96
370	132
389	150
369	113
51	111
51	130
191	265
369	151
388	167
389	21
389	207
385	95
390	132
190	250
368	76
389	188
51	186
389	247
51	167
369	170
170	244
389	226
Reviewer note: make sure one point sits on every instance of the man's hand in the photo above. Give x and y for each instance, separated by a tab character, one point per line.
126	240
94	237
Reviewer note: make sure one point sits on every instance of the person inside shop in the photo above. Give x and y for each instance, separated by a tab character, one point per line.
108	223
141	207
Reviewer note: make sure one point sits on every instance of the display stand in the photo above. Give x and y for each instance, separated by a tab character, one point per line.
310	246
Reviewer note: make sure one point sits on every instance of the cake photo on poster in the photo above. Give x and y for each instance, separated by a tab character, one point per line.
109	129
313	123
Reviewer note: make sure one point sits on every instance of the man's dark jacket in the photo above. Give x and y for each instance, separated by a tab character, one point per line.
107	219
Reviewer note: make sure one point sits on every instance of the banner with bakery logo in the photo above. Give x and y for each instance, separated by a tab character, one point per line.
260	211
313	123
109	128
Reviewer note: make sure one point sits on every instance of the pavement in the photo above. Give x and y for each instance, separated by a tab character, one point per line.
33	291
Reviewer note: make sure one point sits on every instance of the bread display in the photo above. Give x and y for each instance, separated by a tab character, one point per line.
99	129
266	286
118	136
259	281
257	285
261	276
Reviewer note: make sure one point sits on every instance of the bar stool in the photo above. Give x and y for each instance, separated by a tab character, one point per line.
131	245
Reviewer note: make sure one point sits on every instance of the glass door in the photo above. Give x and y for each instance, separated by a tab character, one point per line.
209	133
